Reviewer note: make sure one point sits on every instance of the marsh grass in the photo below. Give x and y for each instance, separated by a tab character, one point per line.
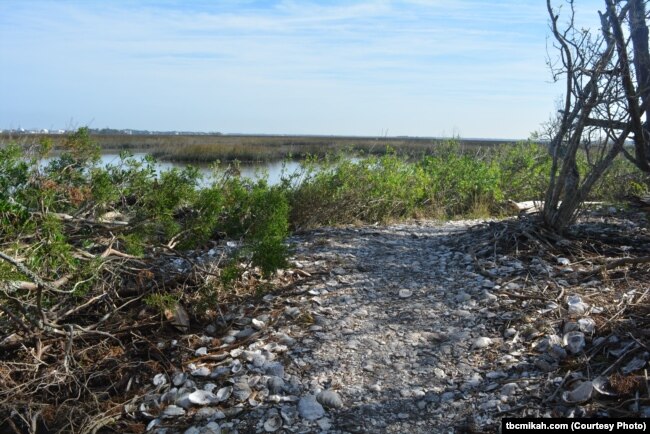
200	148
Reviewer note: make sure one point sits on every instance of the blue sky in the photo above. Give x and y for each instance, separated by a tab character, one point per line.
370	67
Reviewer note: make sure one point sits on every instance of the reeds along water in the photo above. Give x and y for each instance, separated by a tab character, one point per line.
203	148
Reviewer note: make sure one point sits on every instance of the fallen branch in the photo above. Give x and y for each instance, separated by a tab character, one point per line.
27	272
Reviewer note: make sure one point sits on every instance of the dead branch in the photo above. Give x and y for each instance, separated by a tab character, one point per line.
27	272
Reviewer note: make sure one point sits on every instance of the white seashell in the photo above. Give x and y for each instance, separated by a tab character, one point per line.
211	428
254	380
257	324
563	261
154	423
545	343
576	305
273	423
258	360
145	410
159	380
248	355
172	411
288	414
509	389
202	397
574	342
271	346
602	386
236	367
224	393
201	372
489	297
205	413
329	399
324	424
405	293
587	325
183	400
179	378
262	394
209	387
220	372
292	311
201	351
236	352
285	339
241	391
580	394
482	342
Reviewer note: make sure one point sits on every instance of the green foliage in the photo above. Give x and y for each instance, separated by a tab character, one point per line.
524	170
461	184
53	254
102	188
346	191
379	189
176	208
8	272
134	243
160	301
269	226
230	273
621	179
81	149
259	214
14	172
204	222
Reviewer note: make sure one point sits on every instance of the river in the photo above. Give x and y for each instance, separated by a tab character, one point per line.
273	170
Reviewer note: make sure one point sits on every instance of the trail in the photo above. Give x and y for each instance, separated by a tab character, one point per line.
391	329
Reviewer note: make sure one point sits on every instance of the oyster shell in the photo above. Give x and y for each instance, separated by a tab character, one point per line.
329	399
582	393
273	423
224	393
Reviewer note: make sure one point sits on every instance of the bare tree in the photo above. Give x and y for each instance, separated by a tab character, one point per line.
607	77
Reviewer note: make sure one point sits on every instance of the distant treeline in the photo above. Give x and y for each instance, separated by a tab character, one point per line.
250	148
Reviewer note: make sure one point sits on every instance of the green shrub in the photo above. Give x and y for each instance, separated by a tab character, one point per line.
258	214
524	170
461	184
373	189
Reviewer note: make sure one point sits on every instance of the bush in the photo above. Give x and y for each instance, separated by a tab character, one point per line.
374	189
524	169
380	189
55	214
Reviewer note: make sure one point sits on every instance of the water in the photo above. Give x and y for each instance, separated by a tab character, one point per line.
273	170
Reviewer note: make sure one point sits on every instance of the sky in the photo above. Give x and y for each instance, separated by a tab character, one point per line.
433	68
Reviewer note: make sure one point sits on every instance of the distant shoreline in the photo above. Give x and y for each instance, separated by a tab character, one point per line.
252	148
